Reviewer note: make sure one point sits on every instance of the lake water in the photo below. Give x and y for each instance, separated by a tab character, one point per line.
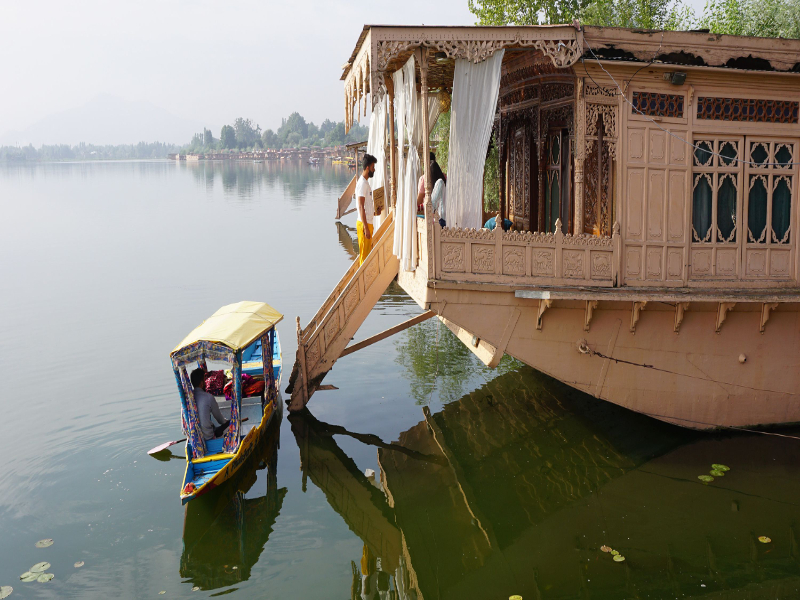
487	483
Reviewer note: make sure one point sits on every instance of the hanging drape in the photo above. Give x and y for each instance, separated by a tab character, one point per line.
400	112
405	238
475	91
376	145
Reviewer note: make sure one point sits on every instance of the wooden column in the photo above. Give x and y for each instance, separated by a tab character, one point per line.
392	144
501	173
422	55
580	155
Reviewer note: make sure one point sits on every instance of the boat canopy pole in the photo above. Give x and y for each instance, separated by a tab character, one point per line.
388	332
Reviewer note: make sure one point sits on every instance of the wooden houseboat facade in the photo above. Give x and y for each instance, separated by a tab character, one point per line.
651	183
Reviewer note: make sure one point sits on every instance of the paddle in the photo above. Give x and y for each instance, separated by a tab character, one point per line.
166	445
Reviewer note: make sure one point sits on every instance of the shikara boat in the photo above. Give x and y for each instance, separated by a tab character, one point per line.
235	337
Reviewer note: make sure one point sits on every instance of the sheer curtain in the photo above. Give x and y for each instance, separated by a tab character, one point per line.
405	238
475	91
376	144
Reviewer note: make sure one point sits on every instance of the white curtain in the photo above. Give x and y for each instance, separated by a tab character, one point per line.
475	91
405	232
376	144
433	113
400	112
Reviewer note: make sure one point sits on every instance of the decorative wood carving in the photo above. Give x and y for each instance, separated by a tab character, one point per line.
351	301
312	355
482	258
748	109
453	257
680	309
543	306
765	310
595	91
591	305
556	91
722	313
636	310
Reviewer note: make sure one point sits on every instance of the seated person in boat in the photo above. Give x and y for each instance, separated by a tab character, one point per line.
435	168
206	407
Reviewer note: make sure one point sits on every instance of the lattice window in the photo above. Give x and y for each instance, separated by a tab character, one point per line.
654	104
716	190
552	206
770	190
748	109
597	184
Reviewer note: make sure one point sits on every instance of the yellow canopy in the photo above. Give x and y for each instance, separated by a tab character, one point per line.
235	325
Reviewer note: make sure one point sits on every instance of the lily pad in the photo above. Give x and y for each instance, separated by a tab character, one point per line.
515	597
162	592
40	567
44	543
79	564
197	589
619	558
764	539
27	576
719	467
705	478
44	577
717	473
5	591
605	548
614	553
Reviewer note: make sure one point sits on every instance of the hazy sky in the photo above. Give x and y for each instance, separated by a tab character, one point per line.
209	61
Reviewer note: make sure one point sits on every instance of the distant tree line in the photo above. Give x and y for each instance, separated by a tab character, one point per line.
294	132
84	151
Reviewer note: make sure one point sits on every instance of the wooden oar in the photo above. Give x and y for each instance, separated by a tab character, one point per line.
166	445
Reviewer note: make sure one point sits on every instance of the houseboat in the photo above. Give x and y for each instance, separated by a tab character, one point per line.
650	179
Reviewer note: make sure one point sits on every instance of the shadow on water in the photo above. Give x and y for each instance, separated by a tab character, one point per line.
514	488
225	531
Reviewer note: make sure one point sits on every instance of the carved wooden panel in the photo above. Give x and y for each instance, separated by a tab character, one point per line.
654	203
482	258
543	262
674	264
514	260
633	262
755	262
654	267
654	104
755	110
312	353
453	257
572	264
701	261
726	262
780	262
332	328
371	273
351	301
600	265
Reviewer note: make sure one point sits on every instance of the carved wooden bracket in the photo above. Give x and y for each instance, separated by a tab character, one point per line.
722	312
591	305
543	306
765	308
638	307
680	308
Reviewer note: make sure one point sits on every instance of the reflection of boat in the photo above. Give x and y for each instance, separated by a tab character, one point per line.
224	533
514	488
228	336
313	161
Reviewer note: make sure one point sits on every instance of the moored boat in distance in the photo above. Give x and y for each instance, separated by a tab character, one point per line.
242	338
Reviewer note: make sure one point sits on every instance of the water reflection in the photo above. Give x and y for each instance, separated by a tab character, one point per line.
225	531
514	488
244	178
347	239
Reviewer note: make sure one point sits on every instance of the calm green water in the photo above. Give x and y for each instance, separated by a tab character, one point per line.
510	484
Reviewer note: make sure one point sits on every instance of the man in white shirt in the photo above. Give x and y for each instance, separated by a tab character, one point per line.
365	207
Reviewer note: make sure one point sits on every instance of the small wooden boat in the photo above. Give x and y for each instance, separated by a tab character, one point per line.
236	337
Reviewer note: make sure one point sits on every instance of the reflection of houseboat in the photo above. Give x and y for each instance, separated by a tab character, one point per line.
515	488
652	259
314	161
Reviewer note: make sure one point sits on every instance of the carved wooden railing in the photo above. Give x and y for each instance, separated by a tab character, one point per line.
520	258
326	336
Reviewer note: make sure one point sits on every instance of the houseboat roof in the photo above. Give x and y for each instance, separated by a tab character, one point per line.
697	48
235	325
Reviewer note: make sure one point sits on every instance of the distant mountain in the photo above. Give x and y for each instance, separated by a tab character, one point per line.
104	120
